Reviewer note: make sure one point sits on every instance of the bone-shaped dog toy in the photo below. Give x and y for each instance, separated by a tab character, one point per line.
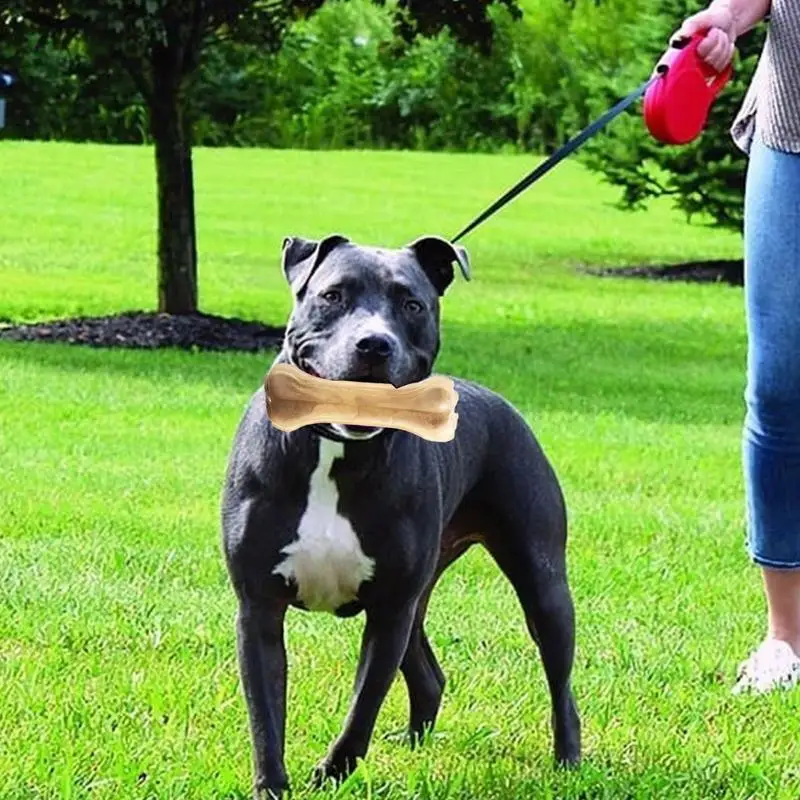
426	408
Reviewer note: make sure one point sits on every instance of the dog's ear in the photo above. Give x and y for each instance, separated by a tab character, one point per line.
301	257
436	256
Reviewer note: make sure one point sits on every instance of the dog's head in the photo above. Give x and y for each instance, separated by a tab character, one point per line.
365	313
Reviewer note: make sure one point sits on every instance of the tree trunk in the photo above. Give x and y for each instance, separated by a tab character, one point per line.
177	240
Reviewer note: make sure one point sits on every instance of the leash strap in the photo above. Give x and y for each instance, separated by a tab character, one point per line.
562	152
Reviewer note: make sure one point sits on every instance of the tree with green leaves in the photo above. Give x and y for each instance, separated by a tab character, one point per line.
160	44
705	178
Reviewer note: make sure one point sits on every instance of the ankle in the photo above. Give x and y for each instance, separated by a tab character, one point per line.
783	606
792	638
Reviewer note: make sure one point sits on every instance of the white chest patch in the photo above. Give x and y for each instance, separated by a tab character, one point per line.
325	561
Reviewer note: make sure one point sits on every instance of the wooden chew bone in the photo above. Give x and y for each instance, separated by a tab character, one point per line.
426	408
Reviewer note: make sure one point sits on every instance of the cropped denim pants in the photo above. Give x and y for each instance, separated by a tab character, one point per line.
771	436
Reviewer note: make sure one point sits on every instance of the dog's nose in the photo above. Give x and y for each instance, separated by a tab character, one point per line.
375	347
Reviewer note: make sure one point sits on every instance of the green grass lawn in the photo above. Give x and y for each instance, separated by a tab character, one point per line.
118	676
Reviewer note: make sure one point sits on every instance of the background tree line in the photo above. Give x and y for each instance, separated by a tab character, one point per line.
345	78
519	75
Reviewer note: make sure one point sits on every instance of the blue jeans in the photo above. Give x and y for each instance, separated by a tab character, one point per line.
771	437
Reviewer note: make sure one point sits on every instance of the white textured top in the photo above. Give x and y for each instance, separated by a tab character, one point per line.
771	107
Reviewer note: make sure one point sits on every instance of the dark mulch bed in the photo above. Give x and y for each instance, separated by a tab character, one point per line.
143	330
730	272
149	331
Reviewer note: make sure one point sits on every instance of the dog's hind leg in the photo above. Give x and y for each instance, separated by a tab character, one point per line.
425	682
549	614
526	534
423	675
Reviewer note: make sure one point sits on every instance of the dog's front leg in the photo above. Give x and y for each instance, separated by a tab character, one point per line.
384	643
262	662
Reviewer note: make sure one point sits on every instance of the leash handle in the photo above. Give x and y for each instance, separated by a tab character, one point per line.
676	108
561	153
715	80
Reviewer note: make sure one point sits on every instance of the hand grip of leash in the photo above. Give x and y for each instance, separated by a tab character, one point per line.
676	106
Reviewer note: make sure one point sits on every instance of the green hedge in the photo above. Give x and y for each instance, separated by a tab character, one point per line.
342	80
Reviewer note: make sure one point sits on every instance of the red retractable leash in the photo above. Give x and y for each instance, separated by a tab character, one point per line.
676	106
677	99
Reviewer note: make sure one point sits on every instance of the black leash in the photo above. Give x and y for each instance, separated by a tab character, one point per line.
562	152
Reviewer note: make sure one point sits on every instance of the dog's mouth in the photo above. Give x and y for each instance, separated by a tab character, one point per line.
306	366
356	431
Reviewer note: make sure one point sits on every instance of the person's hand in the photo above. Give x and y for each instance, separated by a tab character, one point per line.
717	48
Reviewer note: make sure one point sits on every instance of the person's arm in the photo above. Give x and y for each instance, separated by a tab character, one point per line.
725	21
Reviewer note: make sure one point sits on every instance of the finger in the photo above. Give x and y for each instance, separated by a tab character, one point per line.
731	53
714	40
716	46
721	55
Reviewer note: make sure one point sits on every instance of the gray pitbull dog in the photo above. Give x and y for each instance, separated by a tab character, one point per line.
347	519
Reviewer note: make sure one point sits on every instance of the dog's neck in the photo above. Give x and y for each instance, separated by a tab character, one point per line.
336	433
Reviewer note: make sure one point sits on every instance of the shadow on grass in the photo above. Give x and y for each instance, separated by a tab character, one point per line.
728	271
651	371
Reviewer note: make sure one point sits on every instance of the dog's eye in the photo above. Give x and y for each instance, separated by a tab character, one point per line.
332	296
414	306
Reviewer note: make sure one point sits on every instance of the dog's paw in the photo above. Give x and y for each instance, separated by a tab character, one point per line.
419	735
336	766
269	794
568	755
271	790
569	762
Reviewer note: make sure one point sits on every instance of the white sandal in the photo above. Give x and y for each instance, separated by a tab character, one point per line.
774	665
